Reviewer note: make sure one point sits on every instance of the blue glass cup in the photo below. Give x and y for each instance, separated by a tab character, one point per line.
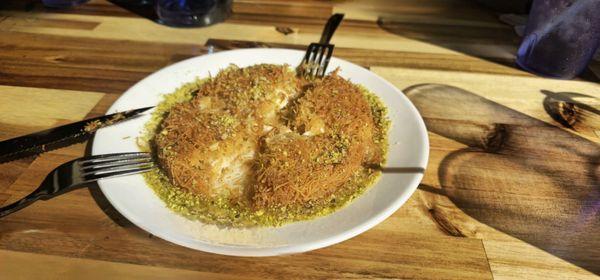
561	37
189	13
62	3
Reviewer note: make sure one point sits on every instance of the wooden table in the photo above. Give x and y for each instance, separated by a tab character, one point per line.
512	190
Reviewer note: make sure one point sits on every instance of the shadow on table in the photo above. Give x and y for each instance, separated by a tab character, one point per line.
106	207
460	31
142	8
522	176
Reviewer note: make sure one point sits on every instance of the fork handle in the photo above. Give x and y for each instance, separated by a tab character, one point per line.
330	27
39	193
45	191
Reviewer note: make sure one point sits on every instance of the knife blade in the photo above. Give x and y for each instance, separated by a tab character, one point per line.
62	136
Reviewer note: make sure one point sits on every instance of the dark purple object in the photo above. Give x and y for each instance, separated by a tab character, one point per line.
561	37
62	3
187	13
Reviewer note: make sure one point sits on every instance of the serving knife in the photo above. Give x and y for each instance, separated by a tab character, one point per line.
62	136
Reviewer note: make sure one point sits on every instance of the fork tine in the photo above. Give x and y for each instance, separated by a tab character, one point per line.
112	157
110	169
313	57
320	67
118	173
326	60
122	167
307	54
317	60
114	163
96	167
309	58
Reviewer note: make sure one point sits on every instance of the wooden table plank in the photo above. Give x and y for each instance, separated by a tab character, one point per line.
114	65
298	8
417	60
42	108
139	30
19	265
522	94
109	66
361	257
455	10
557	167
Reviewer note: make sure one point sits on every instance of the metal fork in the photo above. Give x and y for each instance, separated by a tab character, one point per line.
77	173
317	55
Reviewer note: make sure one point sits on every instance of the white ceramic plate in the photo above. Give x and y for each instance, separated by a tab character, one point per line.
409	148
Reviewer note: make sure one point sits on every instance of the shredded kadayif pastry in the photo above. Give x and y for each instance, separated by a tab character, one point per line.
261	146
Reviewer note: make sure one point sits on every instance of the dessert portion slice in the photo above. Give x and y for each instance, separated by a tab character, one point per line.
208	145
330	136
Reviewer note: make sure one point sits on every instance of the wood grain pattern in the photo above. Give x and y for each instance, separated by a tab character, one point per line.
370	58
109	66
555	165
130	29
19	265
298	8
43	107
511	190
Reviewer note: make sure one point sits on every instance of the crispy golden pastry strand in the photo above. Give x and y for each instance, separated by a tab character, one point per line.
332	136
207	145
